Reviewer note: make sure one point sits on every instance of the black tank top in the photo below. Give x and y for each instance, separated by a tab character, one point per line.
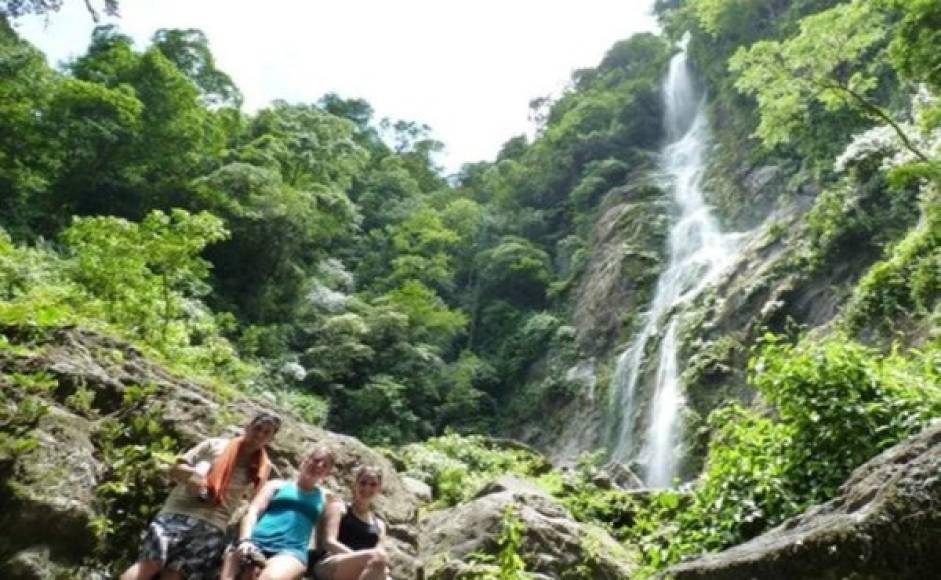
357	534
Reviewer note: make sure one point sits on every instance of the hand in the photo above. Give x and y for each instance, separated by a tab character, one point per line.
245	547
197	484
249	554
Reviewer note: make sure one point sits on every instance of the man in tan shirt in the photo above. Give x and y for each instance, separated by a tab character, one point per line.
187	538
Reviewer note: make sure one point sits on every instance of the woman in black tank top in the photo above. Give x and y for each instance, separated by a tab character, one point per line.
351	548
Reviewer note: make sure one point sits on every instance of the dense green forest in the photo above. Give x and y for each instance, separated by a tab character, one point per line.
318	255
305	244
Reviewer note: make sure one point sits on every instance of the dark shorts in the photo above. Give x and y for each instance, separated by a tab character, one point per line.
185	544
272	550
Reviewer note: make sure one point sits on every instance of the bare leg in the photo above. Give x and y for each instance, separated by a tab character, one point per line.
377	568
170	575
143	570
359	565
232	568
282	568
230	565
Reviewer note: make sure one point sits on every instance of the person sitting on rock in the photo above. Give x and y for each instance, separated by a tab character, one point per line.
187	538
276	532
353	534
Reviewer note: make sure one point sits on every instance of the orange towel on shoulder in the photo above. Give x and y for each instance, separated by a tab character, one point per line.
220	474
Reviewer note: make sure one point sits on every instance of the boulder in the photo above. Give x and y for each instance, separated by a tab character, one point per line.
885	523
552	541
421	490
48	508
39	564
621	476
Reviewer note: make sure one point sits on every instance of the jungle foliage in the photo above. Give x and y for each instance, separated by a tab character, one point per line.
316	253
307	247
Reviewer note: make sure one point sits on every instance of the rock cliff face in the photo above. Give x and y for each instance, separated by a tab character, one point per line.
885	523
628	244
627	248
778	283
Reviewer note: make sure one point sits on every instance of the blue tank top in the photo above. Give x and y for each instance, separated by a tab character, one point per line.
288	522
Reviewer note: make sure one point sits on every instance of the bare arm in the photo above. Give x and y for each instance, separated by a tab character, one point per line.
334	511
186	472
257	507
317	538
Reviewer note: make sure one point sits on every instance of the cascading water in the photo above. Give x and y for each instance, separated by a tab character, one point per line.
698	253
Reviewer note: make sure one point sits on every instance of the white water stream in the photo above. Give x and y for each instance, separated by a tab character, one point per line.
698	253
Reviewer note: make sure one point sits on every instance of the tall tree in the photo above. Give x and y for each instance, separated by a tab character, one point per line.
835	61
189	50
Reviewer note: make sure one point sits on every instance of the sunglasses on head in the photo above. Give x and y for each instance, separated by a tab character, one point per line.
270	418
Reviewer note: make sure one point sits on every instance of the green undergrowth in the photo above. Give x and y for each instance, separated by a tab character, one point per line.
130	439
457	466
143	283
137	450
20	412
505	563
140	281
907	283
834	404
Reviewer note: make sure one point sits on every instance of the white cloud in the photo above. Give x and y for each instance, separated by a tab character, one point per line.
468	69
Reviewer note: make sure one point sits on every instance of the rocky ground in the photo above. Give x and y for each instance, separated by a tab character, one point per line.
885	524
48	519
51	502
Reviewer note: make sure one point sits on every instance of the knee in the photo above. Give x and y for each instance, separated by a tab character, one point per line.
271	574
379	559
141	570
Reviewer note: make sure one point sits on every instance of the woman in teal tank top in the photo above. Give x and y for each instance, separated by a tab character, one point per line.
280	521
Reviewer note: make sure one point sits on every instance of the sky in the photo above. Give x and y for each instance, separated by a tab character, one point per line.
467	69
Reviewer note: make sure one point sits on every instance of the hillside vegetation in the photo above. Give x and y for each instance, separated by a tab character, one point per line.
317	256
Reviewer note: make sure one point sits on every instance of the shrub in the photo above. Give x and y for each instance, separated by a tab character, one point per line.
837	404
907	281
457	466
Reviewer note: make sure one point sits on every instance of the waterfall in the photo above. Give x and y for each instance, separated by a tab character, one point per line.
698	253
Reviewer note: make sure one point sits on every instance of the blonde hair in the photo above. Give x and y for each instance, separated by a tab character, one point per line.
323	450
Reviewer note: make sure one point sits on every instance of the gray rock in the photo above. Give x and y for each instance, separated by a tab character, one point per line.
552	541
622	476
421	490
885	523
514	485
51	507
39	564
627	245
602	480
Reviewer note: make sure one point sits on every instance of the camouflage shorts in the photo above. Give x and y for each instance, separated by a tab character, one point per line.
185	544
